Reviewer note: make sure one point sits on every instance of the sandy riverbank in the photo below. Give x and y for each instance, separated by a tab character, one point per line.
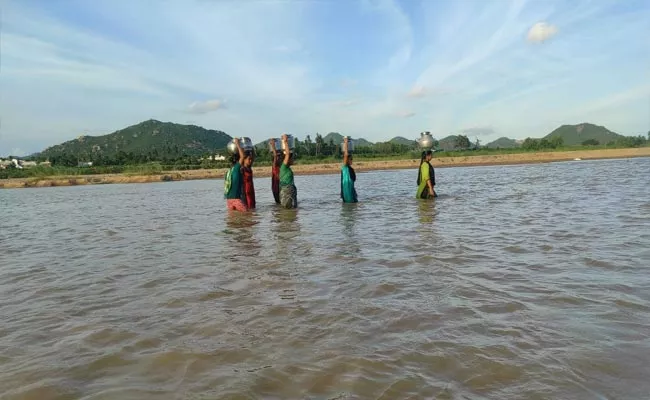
315	169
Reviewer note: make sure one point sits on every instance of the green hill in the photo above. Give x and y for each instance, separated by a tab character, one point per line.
264	144
576	134
403	140
143	138
361	142
448	143
503	143
337	138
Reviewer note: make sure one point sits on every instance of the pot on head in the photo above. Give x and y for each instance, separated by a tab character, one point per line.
246	143
291	141
232	148
425	141
350	144
277	144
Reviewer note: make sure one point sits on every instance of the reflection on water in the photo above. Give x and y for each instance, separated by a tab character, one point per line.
241	239
348	245
426	211
529	283
235	219
285	217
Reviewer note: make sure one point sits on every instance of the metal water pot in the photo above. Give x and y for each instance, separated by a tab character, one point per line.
244	142
291	141
277	144
425	141
232	148
350	145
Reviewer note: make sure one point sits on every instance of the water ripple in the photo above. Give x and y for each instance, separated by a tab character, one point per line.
520	282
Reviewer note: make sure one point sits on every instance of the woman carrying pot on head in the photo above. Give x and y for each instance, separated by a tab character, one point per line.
288	191
275	170
348	177
426	177
248	190
234	182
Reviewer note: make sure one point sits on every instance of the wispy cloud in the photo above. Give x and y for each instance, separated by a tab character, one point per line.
479	131
204	107
420	92
288	48
417	91
406	114
348	82
346	103
375	68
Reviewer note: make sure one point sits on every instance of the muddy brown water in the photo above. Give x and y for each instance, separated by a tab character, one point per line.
518	282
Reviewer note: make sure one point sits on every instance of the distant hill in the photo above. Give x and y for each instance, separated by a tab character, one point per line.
145	137
403	140
264	144
576	134
337	138
361	142
503	143
448	143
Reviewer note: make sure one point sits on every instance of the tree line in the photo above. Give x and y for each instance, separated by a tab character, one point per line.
557	142
306	149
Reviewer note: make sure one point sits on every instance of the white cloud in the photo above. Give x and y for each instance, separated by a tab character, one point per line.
541	32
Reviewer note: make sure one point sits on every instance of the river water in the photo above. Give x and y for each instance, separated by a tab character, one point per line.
518	282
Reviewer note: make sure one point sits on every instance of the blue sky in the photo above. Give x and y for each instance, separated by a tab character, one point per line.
373	68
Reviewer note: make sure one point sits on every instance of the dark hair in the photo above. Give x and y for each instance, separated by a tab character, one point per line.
425	154
350	158
234	159
422	160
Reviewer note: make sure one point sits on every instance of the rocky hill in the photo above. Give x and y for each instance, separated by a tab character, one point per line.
404	141
144	138
577	134
337	138
503	143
